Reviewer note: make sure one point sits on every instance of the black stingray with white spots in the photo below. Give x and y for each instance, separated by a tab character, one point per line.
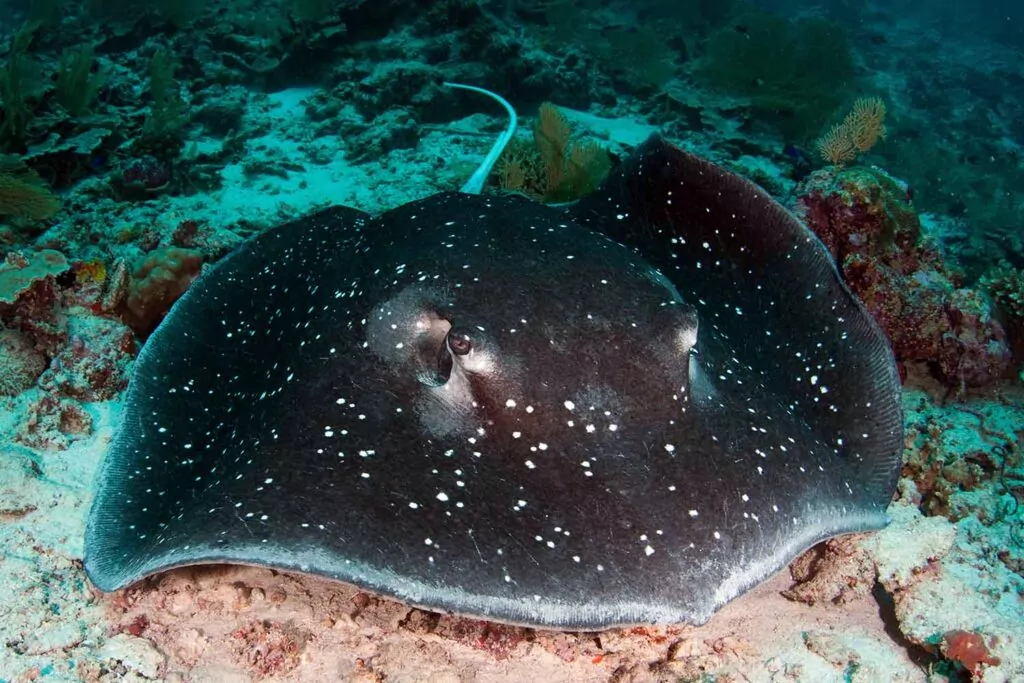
630	411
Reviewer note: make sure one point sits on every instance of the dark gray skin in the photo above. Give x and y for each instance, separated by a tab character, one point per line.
608	327
488	406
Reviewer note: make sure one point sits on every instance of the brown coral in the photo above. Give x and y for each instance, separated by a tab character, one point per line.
156	284
29	296
21	364
94	365
54	424
269	648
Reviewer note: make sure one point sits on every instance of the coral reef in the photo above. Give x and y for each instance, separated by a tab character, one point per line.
22	272
866	220
54	423
94	364
28	297
269	649
1006	284
48	309
157	281
557	166
21	364
140	140
969	650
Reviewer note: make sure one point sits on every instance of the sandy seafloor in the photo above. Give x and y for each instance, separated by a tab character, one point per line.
871	607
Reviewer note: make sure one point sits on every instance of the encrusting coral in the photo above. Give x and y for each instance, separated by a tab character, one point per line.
866	220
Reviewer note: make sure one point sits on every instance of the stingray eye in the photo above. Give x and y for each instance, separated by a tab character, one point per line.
459	342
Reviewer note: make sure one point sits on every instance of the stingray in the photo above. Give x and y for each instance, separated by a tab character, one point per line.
628	410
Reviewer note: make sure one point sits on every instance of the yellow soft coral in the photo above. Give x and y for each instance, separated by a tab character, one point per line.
22	192
94	271
862	128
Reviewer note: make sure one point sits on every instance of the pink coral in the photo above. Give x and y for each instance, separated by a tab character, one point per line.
866	220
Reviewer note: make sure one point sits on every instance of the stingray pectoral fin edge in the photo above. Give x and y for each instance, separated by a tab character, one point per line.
324	238
688	217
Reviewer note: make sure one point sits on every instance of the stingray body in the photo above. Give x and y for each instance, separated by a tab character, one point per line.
628	411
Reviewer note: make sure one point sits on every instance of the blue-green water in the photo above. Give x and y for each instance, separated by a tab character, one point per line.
144	141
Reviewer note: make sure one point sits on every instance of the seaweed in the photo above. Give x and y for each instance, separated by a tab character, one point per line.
77	83
20	83
161	131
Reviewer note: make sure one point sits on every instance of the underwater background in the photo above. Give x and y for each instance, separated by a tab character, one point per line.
142	141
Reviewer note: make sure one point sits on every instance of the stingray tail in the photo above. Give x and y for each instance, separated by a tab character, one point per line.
475	184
